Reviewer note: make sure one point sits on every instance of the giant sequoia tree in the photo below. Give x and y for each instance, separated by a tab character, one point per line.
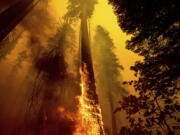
155	29
107	79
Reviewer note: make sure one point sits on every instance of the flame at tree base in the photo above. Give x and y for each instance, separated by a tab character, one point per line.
89	119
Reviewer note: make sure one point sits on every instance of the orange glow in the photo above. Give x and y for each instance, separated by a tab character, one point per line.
87	123
88	118
103	15
61	109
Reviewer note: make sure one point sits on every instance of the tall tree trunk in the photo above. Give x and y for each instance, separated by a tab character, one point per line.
86	61
13	15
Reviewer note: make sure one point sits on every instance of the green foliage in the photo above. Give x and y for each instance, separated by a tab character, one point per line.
155	27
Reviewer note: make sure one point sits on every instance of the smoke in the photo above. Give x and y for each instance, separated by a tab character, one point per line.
21	57
49	83
37	27
39	24
107	70
53	86
8	45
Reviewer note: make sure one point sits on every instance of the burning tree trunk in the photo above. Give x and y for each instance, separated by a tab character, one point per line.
86	59
13	15
87	69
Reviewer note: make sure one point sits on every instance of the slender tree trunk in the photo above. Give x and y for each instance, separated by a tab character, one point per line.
113	118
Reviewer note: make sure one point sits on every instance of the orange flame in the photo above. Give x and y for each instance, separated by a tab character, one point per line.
88	118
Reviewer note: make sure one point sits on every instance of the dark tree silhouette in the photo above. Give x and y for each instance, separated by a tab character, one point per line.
155	29
49	85
13	15
108	72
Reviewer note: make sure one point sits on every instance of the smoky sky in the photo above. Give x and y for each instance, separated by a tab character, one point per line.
54	85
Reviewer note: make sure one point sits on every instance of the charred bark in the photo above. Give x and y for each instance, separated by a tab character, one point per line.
87	60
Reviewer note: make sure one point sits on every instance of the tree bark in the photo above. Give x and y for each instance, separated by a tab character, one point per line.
86	63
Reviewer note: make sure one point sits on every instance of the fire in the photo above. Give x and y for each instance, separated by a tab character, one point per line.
89	119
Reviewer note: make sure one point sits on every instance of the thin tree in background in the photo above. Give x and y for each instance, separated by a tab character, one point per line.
108	72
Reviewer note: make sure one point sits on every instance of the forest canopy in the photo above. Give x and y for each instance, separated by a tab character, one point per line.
154	26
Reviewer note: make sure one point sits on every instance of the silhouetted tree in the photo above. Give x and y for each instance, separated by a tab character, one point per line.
11	16
49	86
108	73
155	27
